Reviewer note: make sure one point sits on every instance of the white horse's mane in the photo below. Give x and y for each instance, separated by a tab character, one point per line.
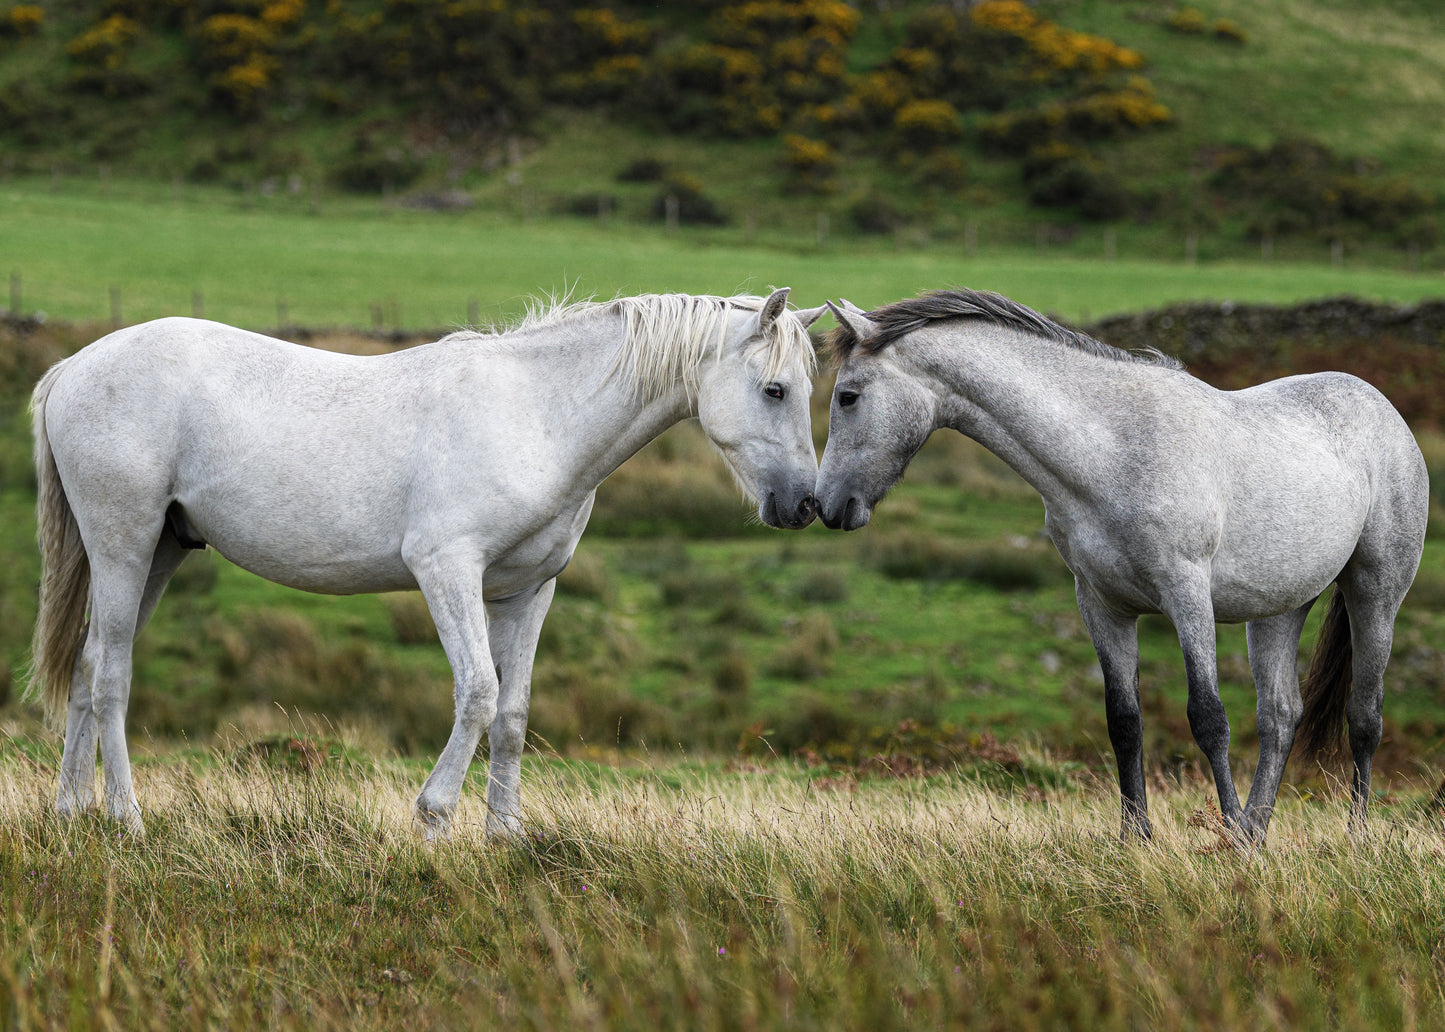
667	336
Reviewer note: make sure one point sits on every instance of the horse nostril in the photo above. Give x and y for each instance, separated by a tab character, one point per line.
808	507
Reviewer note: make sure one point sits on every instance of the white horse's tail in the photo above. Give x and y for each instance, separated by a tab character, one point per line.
64	574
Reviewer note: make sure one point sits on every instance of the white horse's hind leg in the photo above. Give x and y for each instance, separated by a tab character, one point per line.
116	592
515	627
1273	656
452	586
76	792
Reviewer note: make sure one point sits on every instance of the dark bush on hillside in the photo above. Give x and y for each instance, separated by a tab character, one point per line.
693	206
1300	185
374	167
875	213
643	170
1082	185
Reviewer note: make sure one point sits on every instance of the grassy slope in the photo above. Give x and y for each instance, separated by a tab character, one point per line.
1362	77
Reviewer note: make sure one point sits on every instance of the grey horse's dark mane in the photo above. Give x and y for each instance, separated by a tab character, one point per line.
903	317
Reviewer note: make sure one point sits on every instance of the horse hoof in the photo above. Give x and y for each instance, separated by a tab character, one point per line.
430	826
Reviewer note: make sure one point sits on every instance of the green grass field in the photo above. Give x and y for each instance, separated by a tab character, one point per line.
71	245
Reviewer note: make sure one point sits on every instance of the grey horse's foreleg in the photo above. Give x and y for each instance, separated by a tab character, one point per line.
1273	656
1116	640
76	791
452	585
1194	620
515	626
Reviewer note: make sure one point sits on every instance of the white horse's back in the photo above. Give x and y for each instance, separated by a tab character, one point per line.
283	458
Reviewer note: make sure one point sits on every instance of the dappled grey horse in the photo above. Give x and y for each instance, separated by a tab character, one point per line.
1162	495
465	468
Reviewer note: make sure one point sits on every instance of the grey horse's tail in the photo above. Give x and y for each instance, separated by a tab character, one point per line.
1326	687
64	574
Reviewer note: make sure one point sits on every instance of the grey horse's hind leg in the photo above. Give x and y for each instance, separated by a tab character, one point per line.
1193	617
76	791
1273	657
1372	630
1116	640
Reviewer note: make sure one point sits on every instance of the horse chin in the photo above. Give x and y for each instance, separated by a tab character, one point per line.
855	514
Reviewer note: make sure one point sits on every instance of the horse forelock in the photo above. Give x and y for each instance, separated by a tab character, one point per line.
895	321
669	336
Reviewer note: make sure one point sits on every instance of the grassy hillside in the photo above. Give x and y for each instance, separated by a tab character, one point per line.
1361	79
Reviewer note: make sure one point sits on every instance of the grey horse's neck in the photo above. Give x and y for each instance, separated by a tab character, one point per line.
1051	411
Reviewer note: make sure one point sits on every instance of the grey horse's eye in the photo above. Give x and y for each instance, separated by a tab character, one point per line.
846	398
775	390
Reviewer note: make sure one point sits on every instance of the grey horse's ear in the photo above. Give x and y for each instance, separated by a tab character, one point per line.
851	306
773	307
808	316
853	320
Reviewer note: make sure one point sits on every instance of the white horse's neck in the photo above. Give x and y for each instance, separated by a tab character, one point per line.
598	419
1049	410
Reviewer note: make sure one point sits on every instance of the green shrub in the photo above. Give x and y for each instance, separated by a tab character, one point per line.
1228	31
1186	20
875	213
809	163
808	652
411	620
22	20
643	170
694	207
927	124
373	167
920	556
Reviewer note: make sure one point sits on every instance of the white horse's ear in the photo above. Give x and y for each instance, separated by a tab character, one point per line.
773	307
808	316
852	320
851	306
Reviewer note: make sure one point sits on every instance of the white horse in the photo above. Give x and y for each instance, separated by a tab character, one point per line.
1162	495
465	468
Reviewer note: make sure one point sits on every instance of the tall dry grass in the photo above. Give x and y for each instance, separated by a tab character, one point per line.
281	888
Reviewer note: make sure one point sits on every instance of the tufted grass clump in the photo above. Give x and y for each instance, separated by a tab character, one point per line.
671	895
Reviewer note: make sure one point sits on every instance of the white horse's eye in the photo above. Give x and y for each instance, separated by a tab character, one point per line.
775	390
846	398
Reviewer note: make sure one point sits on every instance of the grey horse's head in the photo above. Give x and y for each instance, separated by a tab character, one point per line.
880	415
753	404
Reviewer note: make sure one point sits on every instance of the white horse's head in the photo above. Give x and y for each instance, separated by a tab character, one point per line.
753	404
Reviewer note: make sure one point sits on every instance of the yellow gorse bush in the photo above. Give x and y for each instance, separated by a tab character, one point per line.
23	19
104	45
1054	47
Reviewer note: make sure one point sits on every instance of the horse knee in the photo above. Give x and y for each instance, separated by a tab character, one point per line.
476	706
1208	723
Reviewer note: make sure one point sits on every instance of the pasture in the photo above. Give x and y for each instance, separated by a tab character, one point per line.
279	888
260	261
778	780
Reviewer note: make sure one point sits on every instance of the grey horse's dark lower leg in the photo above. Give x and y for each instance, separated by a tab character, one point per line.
1207	719
1116	642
